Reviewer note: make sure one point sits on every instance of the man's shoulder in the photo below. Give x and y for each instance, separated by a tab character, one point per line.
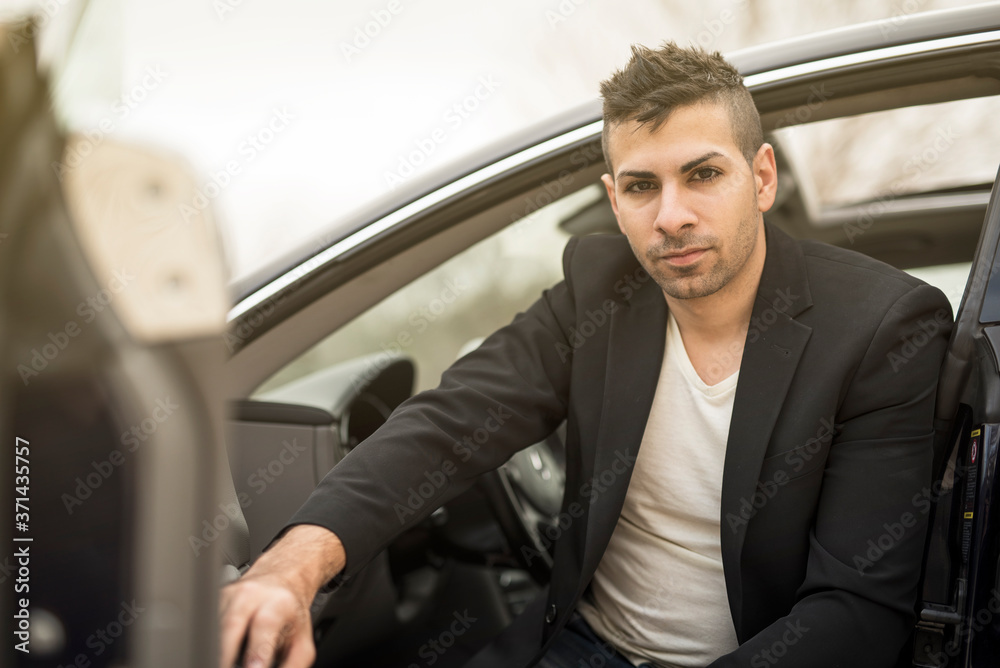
602	265
850	287
839	269
603	250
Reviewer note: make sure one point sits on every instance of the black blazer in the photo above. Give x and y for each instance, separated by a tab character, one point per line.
827	470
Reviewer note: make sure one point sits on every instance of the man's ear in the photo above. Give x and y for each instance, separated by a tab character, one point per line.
765	174
609	185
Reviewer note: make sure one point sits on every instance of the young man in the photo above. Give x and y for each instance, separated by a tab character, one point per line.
738	434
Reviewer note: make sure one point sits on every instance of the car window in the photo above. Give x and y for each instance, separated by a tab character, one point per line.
874	158
895	153
440	315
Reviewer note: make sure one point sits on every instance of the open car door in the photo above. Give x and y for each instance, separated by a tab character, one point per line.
111	313
959	625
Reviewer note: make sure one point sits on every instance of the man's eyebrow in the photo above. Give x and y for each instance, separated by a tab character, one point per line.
686	167
636	173
697	161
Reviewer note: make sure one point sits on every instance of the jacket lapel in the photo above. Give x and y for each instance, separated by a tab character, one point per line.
774	345
635	355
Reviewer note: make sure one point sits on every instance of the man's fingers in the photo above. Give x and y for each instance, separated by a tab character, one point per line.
263	619
302	652
226	596
263	641
269	632
234	626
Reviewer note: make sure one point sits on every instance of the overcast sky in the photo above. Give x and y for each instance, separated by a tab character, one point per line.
324	105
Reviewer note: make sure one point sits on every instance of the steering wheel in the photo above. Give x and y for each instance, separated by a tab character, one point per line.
526	494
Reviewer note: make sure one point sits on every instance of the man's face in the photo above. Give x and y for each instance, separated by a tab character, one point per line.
688	201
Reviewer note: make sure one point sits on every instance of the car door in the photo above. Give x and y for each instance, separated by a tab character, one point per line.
958	624
110	409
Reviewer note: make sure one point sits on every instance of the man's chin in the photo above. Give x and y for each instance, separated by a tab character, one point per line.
693	287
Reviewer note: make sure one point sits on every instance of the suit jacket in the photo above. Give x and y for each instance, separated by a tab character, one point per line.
827	468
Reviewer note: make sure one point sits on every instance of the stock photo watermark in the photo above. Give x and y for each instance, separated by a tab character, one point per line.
101	640
976	622
914	166
562	12
551	190
453	117
133	437
779	648
224	7
713	29
591	492
435	480
251	146
894	531
77	152
796	459
59	340
27	31
595	319
435	648
913	344
262	478
419	320
366	33
818	95
900	15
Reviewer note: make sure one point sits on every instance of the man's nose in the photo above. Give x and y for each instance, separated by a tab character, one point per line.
675	212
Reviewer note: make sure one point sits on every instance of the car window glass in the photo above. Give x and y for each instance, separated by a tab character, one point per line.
447	310
895	153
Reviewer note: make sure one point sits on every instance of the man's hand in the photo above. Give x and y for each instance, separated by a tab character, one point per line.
269	606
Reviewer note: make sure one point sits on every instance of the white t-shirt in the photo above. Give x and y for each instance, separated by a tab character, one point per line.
659	593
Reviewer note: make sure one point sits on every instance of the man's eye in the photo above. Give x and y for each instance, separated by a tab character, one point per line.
640	186
706	174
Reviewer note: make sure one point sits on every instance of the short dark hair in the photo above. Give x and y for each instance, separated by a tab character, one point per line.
655	82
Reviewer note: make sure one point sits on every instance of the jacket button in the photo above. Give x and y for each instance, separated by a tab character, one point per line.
551	613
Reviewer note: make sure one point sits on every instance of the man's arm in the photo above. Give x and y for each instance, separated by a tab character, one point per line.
855	607
514	389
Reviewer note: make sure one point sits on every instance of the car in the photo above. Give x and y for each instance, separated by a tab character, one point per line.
170	439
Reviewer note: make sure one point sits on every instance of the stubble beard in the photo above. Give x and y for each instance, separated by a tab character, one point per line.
694	281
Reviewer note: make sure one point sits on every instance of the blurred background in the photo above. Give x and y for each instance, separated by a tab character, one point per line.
359	88
291	115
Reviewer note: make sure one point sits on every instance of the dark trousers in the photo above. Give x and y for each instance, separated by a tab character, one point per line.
577	646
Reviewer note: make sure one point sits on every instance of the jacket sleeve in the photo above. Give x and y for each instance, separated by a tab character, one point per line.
509	393
856	605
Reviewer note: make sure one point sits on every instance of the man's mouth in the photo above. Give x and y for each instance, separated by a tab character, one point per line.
684	256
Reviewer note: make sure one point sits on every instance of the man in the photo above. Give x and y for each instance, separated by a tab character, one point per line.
738	435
